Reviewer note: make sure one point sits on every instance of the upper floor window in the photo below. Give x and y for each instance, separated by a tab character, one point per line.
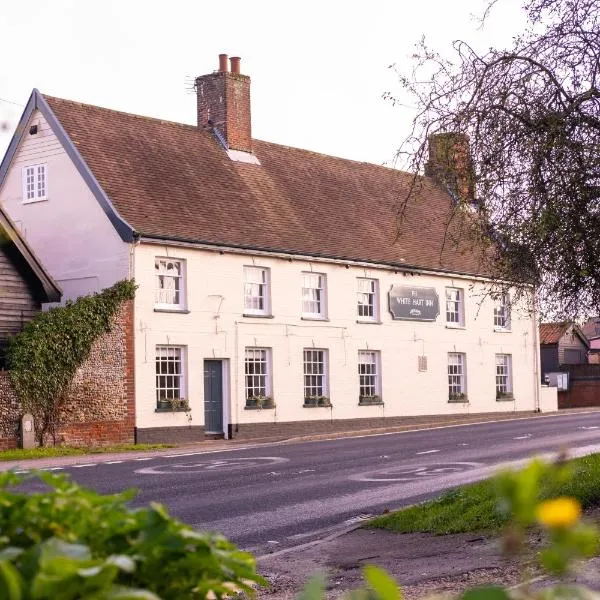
314	295
35	183
367	299
256	291
502	312
169	283
455	307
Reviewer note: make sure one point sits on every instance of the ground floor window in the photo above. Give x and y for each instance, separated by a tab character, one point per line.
457	389
369	391
170	375
316	391
257	371
503	376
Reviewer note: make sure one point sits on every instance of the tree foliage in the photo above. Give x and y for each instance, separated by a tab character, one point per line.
532	114
44	357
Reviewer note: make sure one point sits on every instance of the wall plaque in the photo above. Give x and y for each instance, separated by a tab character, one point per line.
408	303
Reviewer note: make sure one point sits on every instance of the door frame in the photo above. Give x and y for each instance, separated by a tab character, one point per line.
226	391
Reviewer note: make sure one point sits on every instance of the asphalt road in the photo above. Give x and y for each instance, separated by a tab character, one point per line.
272	496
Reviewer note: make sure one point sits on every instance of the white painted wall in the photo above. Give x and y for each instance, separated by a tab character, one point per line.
69	231
216	328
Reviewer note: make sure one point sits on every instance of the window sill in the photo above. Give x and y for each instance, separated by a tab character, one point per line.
182	311
502	330
259	407
379	403
34	200
448	326
510	398
367	322
314	319
171	410
253	316
460	401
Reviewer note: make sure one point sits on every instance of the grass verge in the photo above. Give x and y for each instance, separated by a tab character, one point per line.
474	507
52	451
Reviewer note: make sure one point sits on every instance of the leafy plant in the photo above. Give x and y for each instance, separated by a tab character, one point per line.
260	401
45	356
460	397
369	399
317	401
72	543
504	395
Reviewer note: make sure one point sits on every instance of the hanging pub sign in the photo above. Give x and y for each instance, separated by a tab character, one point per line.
409	303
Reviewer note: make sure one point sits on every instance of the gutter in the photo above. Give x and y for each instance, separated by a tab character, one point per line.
295	255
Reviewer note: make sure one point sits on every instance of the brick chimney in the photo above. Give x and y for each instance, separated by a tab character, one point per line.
224	104
451	165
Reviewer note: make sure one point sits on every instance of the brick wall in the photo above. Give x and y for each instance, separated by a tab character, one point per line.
584	386
101	408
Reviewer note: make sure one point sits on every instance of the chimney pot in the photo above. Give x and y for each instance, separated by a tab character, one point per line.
223	66
235	64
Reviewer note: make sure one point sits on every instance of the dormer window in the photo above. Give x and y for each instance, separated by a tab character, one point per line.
35	183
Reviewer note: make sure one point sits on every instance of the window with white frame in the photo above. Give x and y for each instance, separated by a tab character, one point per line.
315	375
367	299
455	307
258	377
503	376
169	283
457	388
369	390
256	291
502	312
314	295
35	183
170	375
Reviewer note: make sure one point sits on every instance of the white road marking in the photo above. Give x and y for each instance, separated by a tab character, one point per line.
463	444
145	458
522	437
85	465
52	469
222	464
427	452
113	462
588	427
21	472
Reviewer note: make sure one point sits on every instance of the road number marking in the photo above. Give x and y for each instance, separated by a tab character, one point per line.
214	464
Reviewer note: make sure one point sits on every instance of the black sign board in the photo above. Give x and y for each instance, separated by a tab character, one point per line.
409	303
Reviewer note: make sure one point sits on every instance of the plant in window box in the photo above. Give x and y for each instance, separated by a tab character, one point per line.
374	399
459	397
316	401
260	402
504	395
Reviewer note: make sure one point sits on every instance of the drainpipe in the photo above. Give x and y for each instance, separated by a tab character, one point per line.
536	351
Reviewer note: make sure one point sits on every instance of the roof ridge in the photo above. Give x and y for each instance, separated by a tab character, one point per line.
122	112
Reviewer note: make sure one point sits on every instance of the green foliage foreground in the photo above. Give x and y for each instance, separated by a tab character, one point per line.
52	451
71	543
44	357
475	507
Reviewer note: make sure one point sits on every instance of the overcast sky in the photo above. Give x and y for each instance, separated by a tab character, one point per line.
318	68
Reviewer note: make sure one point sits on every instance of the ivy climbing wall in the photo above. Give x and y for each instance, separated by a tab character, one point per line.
100	407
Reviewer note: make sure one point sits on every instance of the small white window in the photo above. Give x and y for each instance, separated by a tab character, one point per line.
314	298
503	376
502	313
369	391
367	299
35	183
457	388
170	283
258	378
256	291
315	378
170	376
455	307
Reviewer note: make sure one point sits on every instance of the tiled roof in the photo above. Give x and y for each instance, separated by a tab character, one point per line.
550	333
176	181
591	329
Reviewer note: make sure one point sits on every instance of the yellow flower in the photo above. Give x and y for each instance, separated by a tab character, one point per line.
560	512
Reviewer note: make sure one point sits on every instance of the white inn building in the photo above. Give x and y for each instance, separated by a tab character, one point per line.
278	291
